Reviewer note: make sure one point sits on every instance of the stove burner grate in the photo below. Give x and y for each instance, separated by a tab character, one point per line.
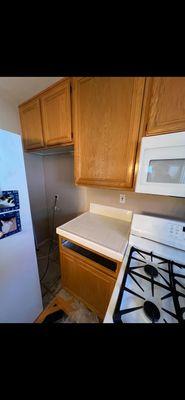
150	270
151	311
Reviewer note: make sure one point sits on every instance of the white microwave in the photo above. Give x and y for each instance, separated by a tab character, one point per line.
161	167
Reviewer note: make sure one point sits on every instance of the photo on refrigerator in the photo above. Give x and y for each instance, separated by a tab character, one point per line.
9	200
9	224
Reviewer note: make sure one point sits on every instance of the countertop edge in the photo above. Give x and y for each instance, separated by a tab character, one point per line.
92	245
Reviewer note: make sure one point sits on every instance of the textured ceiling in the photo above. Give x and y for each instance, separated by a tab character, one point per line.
19	89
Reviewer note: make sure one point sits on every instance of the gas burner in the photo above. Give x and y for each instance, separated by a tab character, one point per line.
151	271
151	311
152	290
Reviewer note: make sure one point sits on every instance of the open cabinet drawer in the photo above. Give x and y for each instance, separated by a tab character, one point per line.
96	260
91	286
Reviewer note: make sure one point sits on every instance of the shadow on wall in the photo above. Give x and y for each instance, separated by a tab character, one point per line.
37	195
59	179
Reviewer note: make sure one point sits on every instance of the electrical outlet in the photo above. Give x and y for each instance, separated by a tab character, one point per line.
122	198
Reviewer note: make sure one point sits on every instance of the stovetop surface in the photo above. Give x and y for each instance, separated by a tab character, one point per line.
152	291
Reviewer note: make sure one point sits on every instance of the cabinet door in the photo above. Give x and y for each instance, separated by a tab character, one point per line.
91	286
56	114
166	105
107	114
30	116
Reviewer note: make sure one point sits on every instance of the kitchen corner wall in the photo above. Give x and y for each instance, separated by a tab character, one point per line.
47	176
59	179
171	207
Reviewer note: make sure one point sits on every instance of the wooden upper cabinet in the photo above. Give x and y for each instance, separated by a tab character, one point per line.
164	105
106	117
30	116
56	114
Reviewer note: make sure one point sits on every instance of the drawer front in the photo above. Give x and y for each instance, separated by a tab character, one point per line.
93	287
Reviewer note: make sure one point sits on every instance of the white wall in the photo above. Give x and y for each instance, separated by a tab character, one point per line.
9	117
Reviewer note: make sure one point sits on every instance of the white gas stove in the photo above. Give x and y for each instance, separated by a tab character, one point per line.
151	284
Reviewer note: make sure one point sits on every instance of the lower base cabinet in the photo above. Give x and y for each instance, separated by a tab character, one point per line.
91	286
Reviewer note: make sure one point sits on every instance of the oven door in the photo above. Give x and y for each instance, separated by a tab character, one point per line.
162	165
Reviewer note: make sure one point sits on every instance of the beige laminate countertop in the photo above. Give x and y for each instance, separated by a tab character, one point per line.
102	229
